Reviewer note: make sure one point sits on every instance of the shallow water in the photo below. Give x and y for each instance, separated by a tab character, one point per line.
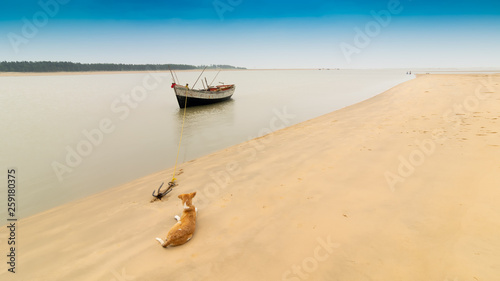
74	135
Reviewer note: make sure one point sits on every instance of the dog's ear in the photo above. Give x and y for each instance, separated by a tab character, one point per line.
193	194
180	196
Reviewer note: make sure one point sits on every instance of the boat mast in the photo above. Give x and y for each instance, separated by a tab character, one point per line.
173	78
215	77
198	78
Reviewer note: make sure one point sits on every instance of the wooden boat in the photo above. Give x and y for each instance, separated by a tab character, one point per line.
209	95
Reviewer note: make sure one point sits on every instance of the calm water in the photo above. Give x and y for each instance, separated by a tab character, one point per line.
72	136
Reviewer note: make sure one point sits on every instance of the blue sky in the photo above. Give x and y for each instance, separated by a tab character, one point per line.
255	34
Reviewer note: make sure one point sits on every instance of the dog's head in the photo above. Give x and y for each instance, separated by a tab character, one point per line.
187	199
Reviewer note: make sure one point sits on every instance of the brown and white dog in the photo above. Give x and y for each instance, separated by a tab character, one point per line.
183	230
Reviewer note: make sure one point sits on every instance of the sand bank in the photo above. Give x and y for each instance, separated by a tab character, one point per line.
403	186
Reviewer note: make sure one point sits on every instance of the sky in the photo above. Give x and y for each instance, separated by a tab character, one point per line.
255	34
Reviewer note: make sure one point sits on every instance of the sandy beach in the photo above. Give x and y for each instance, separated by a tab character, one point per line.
403	186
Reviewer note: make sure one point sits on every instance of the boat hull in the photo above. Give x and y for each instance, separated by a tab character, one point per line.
201	97
197	101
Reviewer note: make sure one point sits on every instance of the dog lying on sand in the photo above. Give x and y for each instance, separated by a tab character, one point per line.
183	230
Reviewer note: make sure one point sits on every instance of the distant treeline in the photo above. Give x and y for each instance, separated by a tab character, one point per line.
60	66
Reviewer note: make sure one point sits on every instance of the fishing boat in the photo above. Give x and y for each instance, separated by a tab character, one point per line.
208	95
187	97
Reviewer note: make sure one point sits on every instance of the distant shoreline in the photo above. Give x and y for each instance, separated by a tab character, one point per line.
63	73
419	71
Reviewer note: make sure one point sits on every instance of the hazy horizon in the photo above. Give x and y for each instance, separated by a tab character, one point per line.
257	34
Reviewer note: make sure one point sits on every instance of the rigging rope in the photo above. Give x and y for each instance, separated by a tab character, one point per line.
182	131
